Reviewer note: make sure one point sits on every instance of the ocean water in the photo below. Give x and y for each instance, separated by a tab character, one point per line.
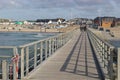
115	42
20	38
17	39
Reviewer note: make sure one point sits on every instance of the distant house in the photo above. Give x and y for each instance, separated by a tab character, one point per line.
47	20
50	22
59	21
25	22
105	22
117	21
98	21
108	22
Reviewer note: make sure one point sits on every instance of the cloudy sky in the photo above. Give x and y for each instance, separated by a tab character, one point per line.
34	9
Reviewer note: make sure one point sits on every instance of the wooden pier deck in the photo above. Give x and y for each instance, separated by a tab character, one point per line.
74	61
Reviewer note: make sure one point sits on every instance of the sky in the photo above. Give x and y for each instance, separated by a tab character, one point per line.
68	9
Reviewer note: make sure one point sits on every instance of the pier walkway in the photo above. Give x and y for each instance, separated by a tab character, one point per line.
74	61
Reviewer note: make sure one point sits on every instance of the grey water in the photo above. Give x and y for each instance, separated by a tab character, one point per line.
20	38
17	39
115	42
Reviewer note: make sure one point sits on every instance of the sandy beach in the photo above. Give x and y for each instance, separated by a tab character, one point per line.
66	29
29	30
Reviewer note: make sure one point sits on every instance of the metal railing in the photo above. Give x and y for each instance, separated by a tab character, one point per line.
35	53
106	55
117	64
7	66
30	56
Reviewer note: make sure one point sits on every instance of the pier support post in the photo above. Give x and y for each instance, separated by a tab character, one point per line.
103	53
41	52
49	47
61	40
55	43
118	64
46	49
111	64
27	60
4	70
35	55
22	63
57	40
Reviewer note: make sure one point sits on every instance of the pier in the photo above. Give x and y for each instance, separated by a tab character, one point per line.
74	61
75	55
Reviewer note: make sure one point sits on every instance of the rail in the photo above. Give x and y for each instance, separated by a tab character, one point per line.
35	53
106	56
30	56
7	66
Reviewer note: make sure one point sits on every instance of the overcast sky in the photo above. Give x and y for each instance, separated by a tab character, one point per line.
34	9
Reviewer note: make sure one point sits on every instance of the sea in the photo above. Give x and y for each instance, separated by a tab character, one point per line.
20	38
17	39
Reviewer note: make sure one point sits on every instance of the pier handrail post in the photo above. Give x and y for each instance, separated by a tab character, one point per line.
41	51
49	47
118	64
101	48
22	63
27	60
55	43
35	55
58	41
110	66
4	70
103	53
46	49
15	74
62	40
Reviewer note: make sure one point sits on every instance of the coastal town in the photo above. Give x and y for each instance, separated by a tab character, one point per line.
40	25
58	24
109	26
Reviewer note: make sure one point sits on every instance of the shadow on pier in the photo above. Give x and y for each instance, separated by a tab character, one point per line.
82	60
76	60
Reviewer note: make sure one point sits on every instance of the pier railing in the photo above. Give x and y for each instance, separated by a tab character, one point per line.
24	59
35	53
7	62
106	55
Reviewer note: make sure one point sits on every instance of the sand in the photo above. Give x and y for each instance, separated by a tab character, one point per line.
66	29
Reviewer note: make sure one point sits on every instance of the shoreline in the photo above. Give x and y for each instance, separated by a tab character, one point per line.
66	29
29	30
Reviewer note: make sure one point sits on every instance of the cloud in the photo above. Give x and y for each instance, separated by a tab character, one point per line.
54	3
36	3
60	7
88	2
